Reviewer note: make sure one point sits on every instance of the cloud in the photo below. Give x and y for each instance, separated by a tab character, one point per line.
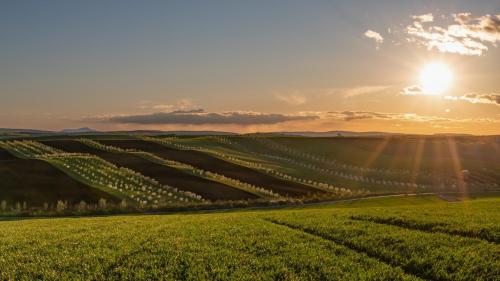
361	90
412	90
356	115
292	99
359	115
375	36
424	18
478	98
200	117
469	36
182	104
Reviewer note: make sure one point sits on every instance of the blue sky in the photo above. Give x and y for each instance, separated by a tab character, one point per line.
75	63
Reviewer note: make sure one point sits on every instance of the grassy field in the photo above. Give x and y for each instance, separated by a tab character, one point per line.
36	182
410	238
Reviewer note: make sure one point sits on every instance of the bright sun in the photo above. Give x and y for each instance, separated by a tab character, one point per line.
435	78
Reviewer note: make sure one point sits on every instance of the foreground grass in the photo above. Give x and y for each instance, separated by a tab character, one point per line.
419	238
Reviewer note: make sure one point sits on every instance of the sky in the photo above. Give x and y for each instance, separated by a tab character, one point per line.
251	66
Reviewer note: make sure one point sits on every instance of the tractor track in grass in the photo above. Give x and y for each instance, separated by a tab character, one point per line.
428	227
350	246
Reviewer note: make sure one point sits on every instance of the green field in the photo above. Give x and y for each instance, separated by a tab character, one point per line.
399	238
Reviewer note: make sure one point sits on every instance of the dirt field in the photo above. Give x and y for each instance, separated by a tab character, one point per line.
36	182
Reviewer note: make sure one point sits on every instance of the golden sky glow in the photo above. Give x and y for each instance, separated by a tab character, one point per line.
252	66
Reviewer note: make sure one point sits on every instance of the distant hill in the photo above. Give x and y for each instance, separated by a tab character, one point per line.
332	134
78	131
24	131
179	133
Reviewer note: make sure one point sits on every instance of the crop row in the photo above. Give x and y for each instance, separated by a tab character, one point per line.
338	191
260	191
280	174
363	175
395	177
98	173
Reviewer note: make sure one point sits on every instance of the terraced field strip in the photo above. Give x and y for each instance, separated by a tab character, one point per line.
189	169
96	172
37	182
338	192
216	165
267	148
477	155
166	175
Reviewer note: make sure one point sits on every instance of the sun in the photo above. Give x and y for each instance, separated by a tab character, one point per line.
435	78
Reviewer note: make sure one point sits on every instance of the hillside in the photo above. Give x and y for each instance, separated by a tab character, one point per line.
248	168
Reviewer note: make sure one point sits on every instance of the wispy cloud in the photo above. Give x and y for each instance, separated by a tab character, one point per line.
361	90
291	98
375	36
478	98
468	36
182	104
359	115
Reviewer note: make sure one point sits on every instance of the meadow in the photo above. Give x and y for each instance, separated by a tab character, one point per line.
399	238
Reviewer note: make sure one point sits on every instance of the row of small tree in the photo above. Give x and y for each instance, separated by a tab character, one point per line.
172	141
101	174
62	205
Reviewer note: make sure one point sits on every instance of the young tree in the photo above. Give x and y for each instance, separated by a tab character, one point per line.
82	206
123	204
60	206
102	203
